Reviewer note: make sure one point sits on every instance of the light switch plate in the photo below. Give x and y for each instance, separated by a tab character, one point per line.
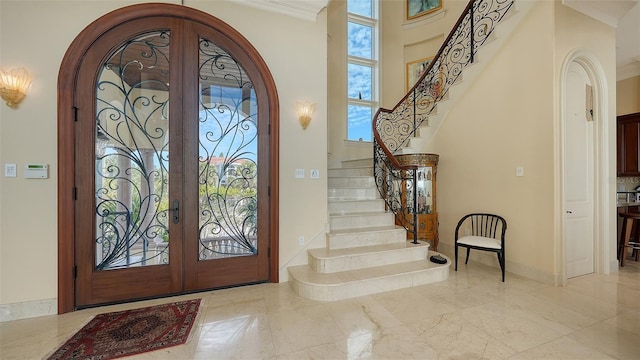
10	170
520	171
299	173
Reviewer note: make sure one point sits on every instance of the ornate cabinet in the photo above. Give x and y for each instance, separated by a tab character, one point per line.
427	215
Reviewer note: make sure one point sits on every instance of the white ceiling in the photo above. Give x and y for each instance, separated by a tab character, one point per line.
628	44
624	15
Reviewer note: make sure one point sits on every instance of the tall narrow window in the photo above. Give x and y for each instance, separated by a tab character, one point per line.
362	67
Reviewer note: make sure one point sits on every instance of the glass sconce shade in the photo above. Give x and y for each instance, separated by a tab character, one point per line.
305	109
14	83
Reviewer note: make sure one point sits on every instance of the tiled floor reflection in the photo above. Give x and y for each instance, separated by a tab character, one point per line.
472	315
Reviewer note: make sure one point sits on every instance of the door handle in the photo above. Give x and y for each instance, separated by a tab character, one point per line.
176	211
569	212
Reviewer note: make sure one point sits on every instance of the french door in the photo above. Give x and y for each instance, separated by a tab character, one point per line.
172	163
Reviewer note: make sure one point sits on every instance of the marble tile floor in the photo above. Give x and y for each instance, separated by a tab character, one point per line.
472	315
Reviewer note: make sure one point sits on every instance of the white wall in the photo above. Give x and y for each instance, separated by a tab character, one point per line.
505	120
495	128
406	41
294	50
628	96
509	117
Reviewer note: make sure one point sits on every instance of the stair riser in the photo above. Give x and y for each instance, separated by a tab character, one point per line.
362	221
349	290
357	163
353	193
364	182
343	241
345	207
363	261
363	171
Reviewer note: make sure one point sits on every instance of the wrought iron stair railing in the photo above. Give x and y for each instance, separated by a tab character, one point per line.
393	128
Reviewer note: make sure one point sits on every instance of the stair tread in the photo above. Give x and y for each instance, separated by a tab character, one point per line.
346	213
305	274
338	202
365	230
352	167
360	213
324	253
352	176
351	187
351	198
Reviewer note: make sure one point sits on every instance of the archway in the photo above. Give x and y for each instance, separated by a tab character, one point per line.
77	114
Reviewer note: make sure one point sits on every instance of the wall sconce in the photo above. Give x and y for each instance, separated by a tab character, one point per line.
305	110
14	83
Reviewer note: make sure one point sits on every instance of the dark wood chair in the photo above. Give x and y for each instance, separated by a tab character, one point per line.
481	232
626	241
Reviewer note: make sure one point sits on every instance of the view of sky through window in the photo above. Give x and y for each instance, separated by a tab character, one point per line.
360	69
360	7
360	122
359	81
359	40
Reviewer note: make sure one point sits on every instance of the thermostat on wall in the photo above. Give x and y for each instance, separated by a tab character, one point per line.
36	171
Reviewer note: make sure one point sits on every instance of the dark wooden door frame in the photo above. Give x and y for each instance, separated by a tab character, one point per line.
67	78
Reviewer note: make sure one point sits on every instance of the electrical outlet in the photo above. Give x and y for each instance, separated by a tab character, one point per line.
315	174
300	241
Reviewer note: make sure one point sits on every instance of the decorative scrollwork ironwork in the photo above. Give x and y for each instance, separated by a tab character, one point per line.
132	154
392	183
228	156
393	128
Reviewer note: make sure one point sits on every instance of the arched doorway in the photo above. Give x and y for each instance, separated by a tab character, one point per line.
579	173
168	158
583	91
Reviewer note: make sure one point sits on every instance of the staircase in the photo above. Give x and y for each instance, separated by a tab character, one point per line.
498	38
366	252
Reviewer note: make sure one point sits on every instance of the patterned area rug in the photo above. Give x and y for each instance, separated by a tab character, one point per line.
123	333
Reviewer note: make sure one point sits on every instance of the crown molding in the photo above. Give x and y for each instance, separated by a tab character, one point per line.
302	9
608	12
628	71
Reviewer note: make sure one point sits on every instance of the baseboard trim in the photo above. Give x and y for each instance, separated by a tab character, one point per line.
28	309
489	259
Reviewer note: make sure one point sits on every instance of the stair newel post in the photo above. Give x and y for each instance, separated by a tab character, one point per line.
471	32
414	184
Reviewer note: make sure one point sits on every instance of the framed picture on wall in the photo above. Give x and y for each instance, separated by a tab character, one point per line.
415	69
417	8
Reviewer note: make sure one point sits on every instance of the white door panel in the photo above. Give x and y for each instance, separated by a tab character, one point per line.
578	177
